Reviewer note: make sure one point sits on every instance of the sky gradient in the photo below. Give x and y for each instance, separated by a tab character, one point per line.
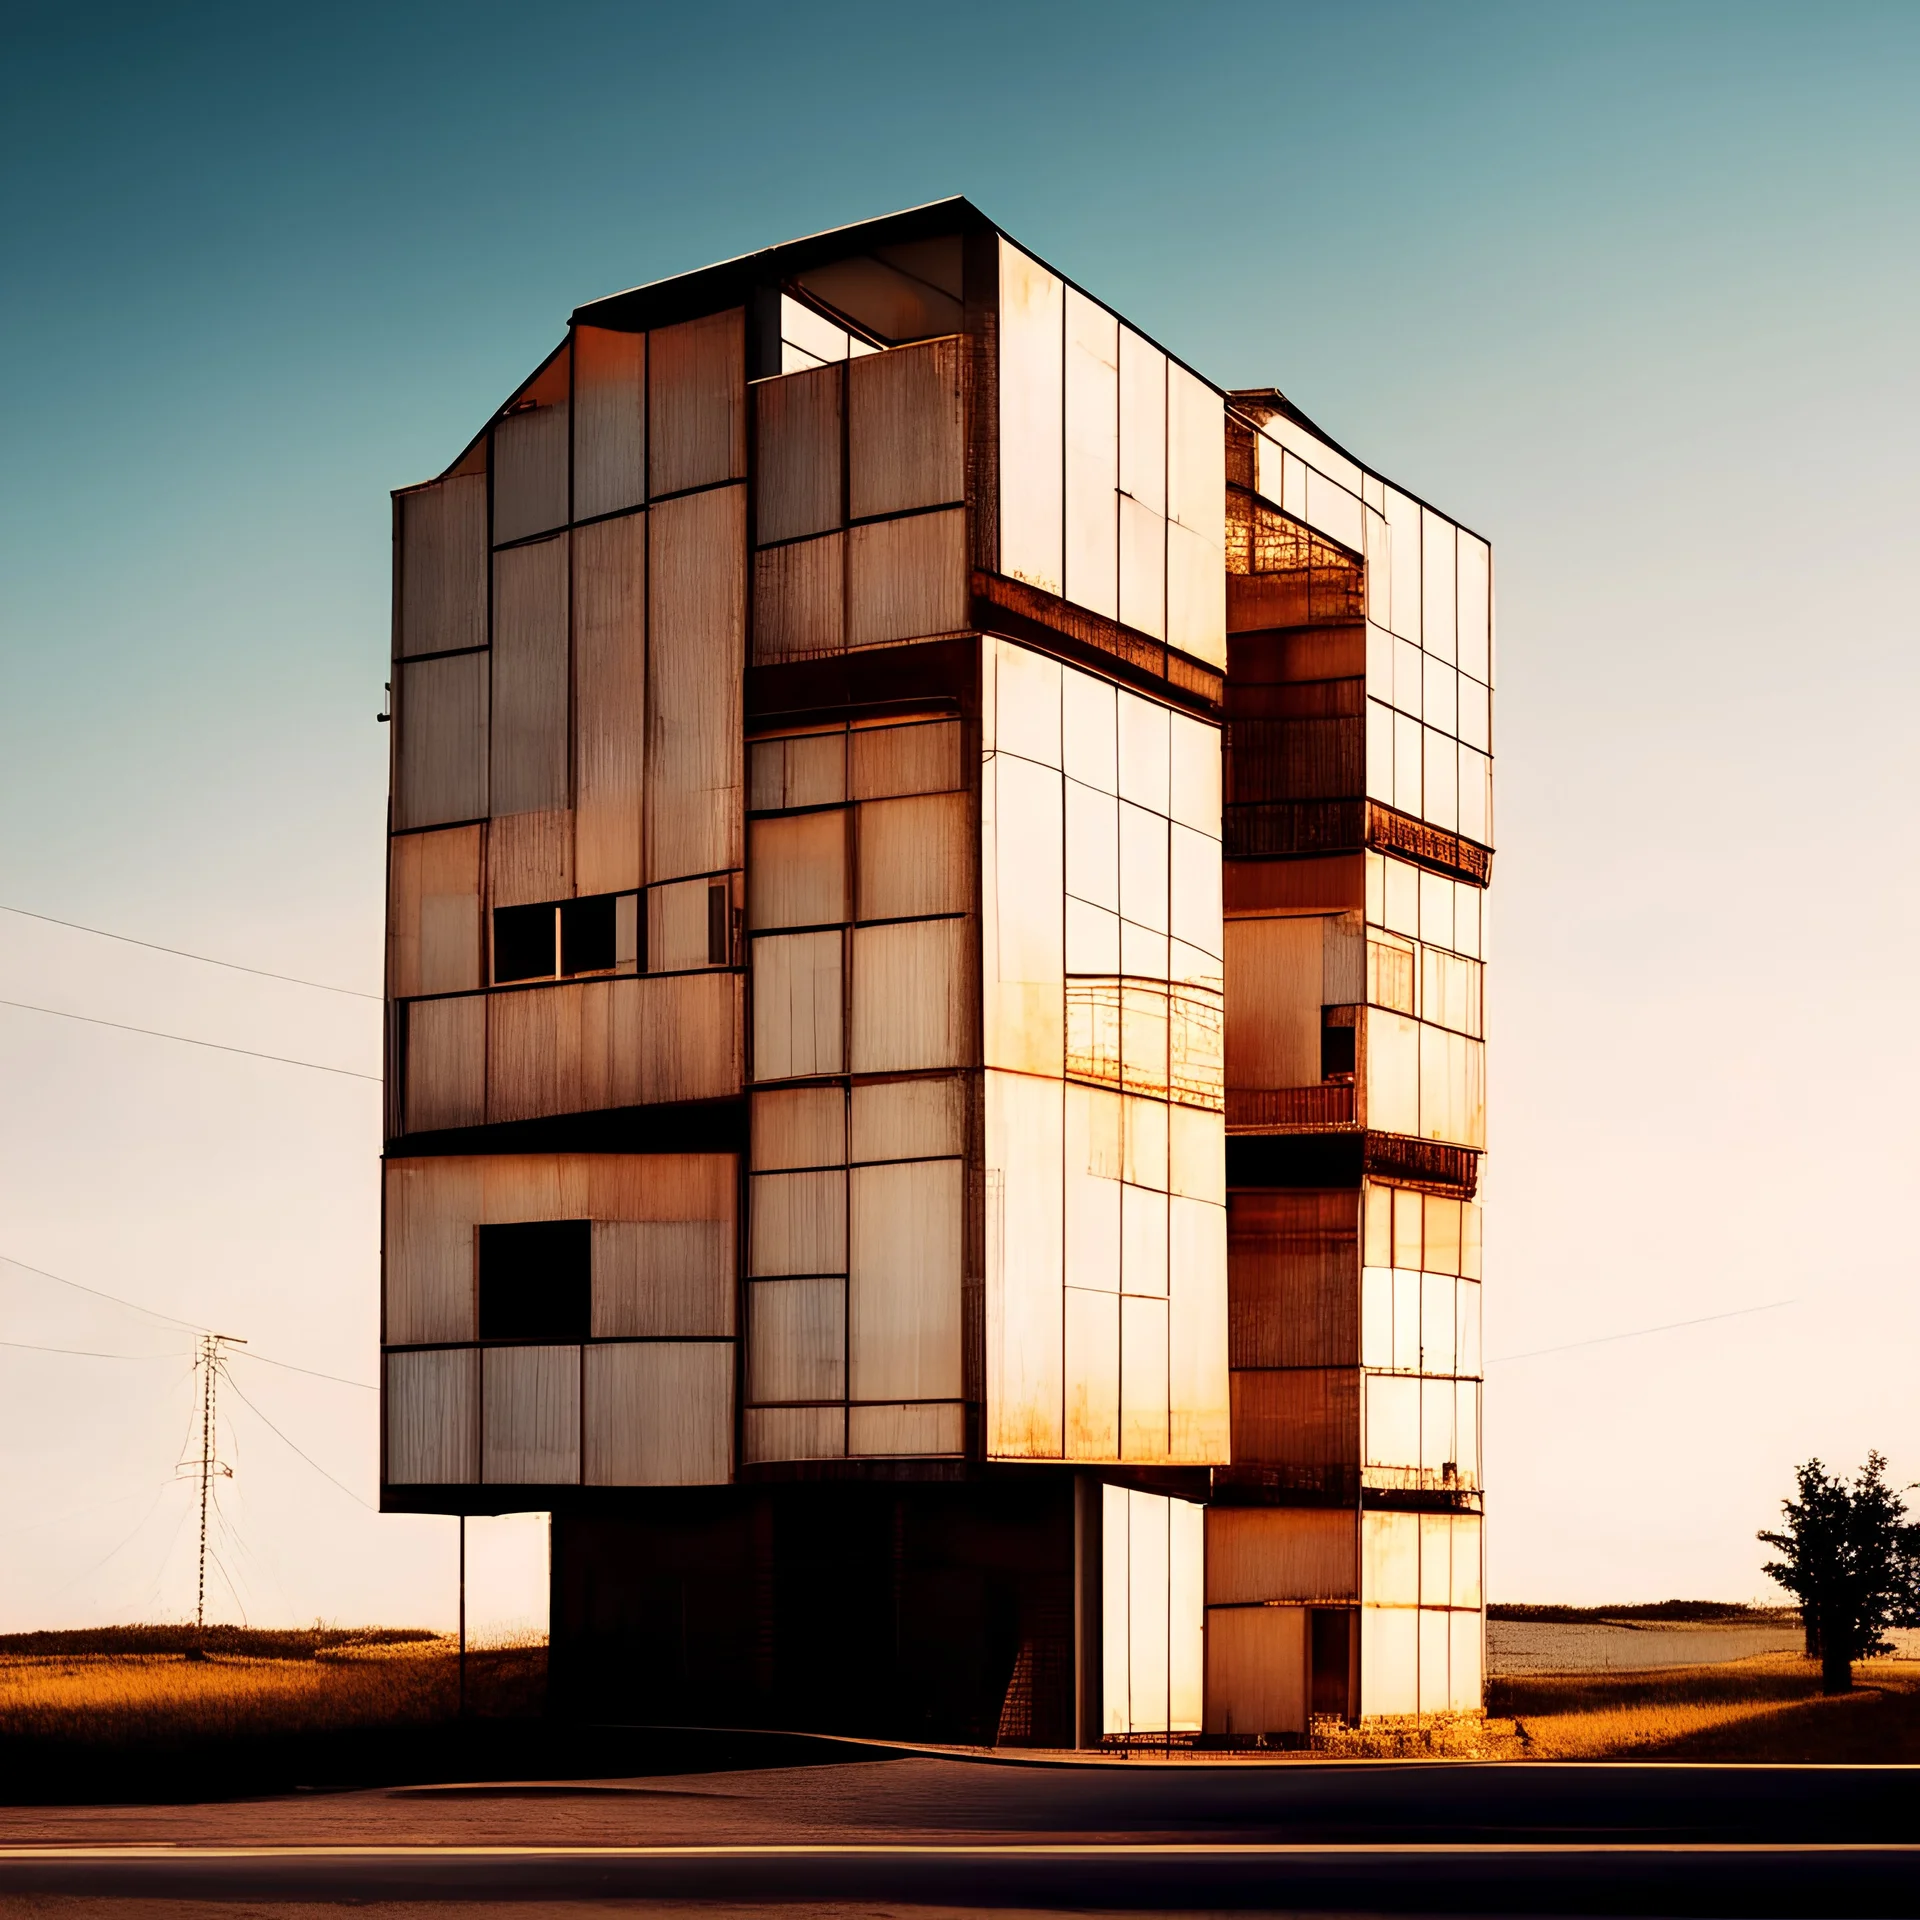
1631	290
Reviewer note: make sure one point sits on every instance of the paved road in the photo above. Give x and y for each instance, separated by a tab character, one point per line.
958	1835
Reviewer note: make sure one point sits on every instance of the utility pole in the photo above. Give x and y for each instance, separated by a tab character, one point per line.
209	1463
463	1616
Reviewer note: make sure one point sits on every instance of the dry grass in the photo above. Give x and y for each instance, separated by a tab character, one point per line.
1766	1708
293	1685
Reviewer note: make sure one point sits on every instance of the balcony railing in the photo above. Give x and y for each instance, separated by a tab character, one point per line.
1270	1109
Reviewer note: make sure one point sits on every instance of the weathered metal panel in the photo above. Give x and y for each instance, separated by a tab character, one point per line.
927	758
799	600
1092	438
1256	1555
904	429
659	1414
907	1431
609	421
433	913
530	472
697	403
609	701
909	1119
443	566
529	730
433	1418
906	1244
662	1279
796	1127
530	1416
1031	397
796	1340
907	579
696	614
913	996
797	870
797	1005
1143	1379
1092	1370
1024	1308
795	1433
446	1063
797	449
915	856
1198	1394
1256	1670
530	858
441	774
797	1224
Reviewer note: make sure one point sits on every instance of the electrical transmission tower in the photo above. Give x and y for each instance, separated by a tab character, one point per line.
208	1363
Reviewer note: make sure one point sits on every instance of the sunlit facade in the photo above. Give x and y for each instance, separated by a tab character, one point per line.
913	1059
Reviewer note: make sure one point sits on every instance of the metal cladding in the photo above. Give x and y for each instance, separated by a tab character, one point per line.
935	947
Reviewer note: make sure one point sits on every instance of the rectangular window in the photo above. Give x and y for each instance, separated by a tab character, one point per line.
587	939
523	943
536	1280
719	932
1337	1034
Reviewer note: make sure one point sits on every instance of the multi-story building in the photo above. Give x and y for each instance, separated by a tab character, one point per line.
934	968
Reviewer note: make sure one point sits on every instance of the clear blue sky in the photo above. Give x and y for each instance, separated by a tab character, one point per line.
1631	289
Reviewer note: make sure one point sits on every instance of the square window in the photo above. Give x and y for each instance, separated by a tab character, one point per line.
536	1280
523	943
587	943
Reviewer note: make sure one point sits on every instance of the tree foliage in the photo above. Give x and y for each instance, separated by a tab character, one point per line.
1851	1557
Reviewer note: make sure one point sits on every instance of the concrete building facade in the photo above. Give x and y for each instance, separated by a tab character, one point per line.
935	1039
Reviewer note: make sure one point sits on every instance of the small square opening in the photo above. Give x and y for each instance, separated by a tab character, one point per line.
587	935
523	943
536	1280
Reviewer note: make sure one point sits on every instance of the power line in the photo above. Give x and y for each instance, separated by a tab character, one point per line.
60	1280
1670	1326
87	1353
304	1455
185	1040
339	1379
206	959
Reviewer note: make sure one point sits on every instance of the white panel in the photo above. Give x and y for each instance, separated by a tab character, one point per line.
1196	455
1437	585
1146	752
1389	1662
1403	522
442	753
1476	813
931	1427
1198	1405
1186	1614
1194	873
796	1005
1024	1235
1093	846
1466	1562
1197	1154
609	704
1143	1378
1436	1559
1032	346
1438	1322
1406	1314
913	996
1476	605
1390	1559
1147	1612
907	579
1393	1072
433	1425
1434	1691
1194	775
1143	422
1393	1420
796	1340
443	566
799	1127
1376	1317
609	421
1093	1166
530	1416
1196	596
1440	776
1143	1242
659	1414
1332	510
1115	1627
906	1245
1466	1435
1089	725
1143	568
1464	1684
797	870
1024	932
1023	698
1092	455
1143	872
446	1069
914	856
909	1119
697	402
530	472
1092	1346
1256	1670
662	1278
794	1433
797	1223
696	624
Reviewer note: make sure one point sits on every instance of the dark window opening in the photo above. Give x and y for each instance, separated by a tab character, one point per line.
1332	1639
536	1280
587	934
523	943
719	945
1338	1035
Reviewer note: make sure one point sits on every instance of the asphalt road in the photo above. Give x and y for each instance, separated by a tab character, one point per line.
958	1835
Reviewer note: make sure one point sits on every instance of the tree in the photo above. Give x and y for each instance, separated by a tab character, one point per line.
1851	1558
